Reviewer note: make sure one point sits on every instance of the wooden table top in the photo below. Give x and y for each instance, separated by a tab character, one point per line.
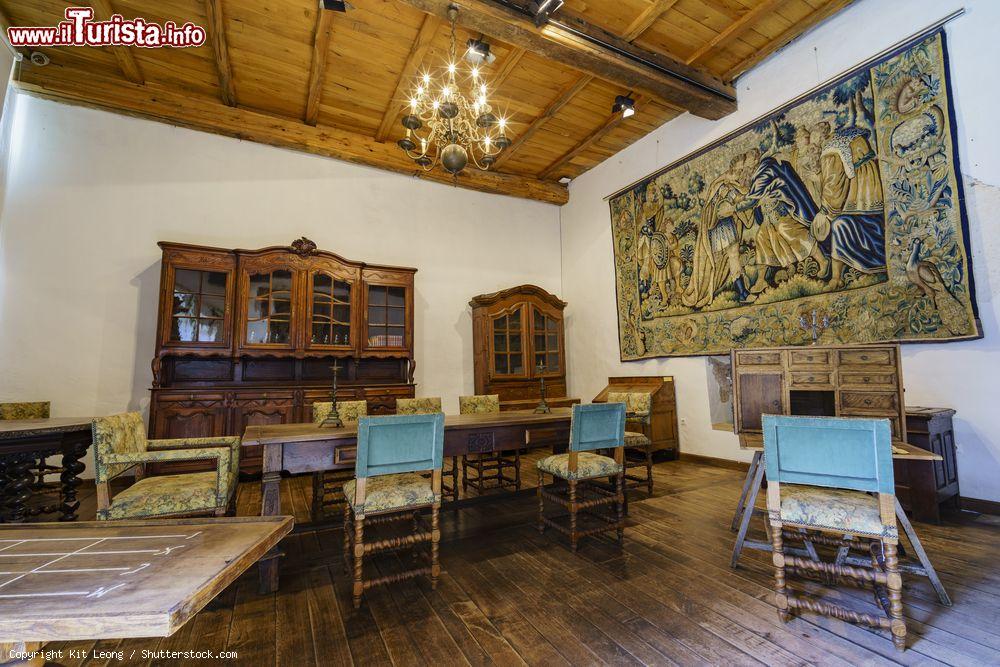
284	433
25	428
900	450
109	580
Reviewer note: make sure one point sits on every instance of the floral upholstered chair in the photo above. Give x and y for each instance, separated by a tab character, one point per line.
830	480
638	445
593	427
327	484
120	445
489	466
394	454
24	410
418	406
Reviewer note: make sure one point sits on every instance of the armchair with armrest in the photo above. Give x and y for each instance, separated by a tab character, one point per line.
120	445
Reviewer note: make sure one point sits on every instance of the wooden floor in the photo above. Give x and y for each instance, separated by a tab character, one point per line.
509	596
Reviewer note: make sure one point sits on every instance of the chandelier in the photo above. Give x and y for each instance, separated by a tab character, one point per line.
445	125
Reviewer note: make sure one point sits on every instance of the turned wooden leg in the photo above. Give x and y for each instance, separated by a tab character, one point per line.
416	529
620	506
894	583
347	538
778	558
71	468
572	514
435	539
517	469
465	474
359	553
454	478
649	468
317	502
541	502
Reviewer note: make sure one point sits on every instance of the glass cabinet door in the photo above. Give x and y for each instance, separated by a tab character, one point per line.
508	352
269	308
199	306
547	357
386	316
331	311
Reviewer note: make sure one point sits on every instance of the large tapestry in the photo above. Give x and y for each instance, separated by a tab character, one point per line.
846	203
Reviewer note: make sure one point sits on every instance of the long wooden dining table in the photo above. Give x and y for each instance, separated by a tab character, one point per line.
302	448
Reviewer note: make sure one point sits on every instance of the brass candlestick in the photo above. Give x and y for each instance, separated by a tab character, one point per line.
815	326
333	419
543	407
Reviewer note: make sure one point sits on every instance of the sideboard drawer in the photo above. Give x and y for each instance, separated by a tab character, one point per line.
343	455
797	358
879	356
868	379
879	401
811	379
758	358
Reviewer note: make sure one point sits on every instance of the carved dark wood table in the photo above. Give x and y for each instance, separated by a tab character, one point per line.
24	441
298	448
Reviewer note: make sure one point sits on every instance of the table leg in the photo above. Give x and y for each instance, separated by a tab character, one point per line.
72	467
741	536
18	486
918	549
270	506
746	488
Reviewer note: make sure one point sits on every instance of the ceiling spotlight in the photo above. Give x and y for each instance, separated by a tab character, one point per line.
624	105
478	53
334	5
543	9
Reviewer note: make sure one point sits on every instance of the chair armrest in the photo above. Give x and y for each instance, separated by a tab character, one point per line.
222	455
230	441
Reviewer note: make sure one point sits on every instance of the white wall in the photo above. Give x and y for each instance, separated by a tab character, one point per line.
90	193
959	375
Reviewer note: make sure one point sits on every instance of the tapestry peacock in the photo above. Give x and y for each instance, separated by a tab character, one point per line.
925	275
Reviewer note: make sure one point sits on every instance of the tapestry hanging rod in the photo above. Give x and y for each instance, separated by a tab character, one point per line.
914	37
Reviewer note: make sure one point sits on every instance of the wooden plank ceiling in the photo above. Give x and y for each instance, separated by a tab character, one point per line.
287	73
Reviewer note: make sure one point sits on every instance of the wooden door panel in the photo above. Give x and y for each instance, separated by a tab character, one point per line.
760	393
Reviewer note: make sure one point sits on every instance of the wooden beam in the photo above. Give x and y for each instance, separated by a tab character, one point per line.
797	29
156	102
565	95
621	63
610	124
123	54
419	48
317	70
217	35
734	30
4	24
646	19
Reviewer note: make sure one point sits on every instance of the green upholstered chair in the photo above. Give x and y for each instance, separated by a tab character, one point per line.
120	445
638	445
830	482
327	485
392	453
597	426
418	406
489	467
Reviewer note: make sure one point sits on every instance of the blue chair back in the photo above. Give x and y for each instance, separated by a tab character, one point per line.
837	452
597	426
399	443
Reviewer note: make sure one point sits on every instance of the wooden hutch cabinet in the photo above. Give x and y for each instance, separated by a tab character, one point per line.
518	338
249	337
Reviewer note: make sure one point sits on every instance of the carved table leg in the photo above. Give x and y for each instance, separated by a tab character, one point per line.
72	467
270	506
17	487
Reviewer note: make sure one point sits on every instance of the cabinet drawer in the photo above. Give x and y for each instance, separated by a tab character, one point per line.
758	358
869	400
874	357
345	454
395	392
811	379
861	379
192	396
809	358
275	396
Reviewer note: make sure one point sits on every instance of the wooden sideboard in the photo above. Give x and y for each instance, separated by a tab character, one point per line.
248	337
929	487
663	416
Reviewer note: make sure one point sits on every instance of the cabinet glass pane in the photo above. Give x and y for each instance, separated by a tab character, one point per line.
515	320
269	308
376	315
552	342
260	285
396	297
213	307
281	281
515	342
279	331
376	295
396	316
386	316
539	343
516	367
322	284
342	291
199	306
321	312
281	307
209	330
552	362
500	343
331	311
539	321
341	334
213	282
184	330
187	280
185	304
500	364
500	323
321	334
257	331
342	314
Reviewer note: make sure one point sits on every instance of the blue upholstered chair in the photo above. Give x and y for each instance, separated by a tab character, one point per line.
830	482
392	452
489	467
593	427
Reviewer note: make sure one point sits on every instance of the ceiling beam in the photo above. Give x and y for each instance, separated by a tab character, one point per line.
126	61
569	42
185	110
4	24
418	50
565	95
646	19
217	35
734	30
797	29
317	70
610	124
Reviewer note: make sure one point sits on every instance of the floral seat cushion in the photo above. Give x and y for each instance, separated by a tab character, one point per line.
481	404
634	439
418	406
25	410
588	465
853	512
391	492
166	494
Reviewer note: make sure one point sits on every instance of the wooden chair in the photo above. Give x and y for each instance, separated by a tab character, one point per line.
428	406
392	452
489	466
328	484
120	445
638	444
593	427
830	482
